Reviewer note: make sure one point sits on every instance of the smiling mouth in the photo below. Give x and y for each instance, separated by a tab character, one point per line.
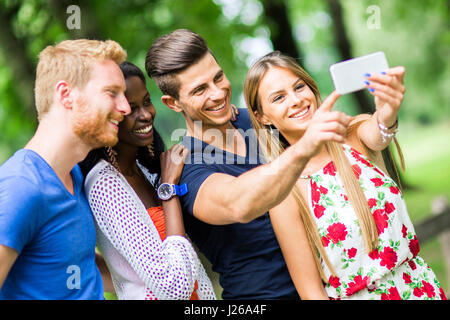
218	108
300	114
115	123
144	130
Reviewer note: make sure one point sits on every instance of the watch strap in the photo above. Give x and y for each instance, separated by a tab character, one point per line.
180	190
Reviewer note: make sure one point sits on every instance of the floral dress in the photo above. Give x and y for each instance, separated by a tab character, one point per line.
393	271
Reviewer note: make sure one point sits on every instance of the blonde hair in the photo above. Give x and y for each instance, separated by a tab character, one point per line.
271	147
70	60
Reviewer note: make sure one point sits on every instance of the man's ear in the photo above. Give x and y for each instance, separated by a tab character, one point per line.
262	118
171	102
64	94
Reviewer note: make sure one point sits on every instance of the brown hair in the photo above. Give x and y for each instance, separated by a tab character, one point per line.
272	148
171	54
70	60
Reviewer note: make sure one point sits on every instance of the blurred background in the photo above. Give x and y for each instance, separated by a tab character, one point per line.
414	33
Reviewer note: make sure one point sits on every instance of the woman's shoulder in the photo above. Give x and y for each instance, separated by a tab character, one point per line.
101	172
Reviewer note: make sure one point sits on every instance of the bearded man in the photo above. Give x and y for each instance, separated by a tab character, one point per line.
47	234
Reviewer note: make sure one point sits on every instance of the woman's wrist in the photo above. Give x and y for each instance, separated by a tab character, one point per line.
387	132
169	180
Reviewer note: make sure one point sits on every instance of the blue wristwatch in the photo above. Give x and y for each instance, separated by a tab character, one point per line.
168	190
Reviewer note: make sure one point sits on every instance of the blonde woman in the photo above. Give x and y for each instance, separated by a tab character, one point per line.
344	230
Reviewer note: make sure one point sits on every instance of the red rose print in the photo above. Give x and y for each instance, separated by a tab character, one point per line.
414	246
377	170
393	294
374	254
406	277
428	289
323	190
412	264
404	231
358	157
330	169
442	294
351	252
393	189
356	170
417	292
337	232
388	207
388	258
315	194
358	284
380	220
377	181
345	197
325	241
334	281
372	202
318	211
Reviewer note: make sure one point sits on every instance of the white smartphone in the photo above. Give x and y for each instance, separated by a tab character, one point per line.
348	76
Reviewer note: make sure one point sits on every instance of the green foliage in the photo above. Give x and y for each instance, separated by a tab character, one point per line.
413	33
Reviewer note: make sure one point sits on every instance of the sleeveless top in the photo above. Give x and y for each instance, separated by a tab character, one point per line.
393	270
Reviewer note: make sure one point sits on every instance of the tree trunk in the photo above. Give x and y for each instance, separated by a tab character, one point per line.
281	36
364	104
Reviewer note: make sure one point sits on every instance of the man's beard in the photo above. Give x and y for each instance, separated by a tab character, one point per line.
93	128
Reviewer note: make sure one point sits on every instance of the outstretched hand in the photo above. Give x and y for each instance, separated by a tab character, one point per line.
389	91
325	125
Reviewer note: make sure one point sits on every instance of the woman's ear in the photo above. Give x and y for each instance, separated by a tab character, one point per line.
262	118
171	102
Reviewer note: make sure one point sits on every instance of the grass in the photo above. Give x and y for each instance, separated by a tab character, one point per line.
427	154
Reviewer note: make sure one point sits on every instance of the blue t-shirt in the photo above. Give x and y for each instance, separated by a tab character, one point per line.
246	255
52	230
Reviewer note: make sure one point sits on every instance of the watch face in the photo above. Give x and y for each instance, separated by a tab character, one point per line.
165	191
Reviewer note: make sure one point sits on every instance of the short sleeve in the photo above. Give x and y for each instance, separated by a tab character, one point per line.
20	201
193	175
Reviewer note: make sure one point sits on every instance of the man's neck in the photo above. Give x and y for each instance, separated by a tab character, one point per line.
60	149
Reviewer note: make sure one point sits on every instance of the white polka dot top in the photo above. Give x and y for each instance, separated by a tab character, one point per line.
142	266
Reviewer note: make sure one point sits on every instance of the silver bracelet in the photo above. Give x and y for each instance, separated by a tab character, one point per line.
384	131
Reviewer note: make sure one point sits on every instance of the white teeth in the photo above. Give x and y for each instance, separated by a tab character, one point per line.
300	114
217	108
114	122
144	130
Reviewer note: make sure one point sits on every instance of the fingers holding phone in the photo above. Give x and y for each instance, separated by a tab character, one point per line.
388	90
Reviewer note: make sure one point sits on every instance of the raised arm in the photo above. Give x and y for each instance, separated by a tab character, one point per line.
172	162
169	268
388	90
224	199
